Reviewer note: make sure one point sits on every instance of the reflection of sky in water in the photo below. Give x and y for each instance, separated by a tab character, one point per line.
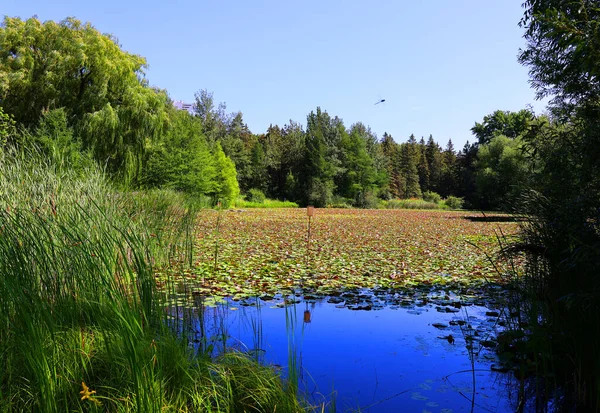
390	359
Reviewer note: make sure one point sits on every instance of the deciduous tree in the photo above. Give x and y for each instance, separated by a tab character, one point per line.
102	88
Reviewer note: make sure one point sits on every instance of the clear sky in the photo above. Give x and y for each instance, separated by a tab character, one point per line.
441	65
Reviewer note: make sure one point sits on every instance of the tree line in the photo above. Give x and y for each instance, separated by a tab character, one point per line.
75	93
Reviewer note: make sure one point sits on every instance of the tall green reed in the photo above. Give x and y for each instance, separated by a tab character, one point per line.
551	305
82	325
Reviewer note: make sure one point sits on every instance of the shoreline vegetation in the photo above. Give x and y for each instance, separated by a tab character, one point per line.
102	179
433	201
82	327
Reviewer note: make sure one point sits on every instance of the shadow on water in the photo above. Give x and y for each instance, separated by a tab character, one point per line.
365	350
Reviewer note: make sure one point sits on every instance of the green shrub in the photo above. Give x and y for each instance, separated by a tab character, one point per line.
412	203
7	128
256	195
320	193
454	202
431	196
339	202
366	199
267	203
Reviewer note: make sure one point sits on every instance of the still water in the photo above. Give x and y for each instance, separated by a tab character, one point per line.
373	357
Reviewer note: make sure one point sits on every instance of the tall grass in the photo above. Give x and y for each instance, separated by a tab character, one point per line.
431	202
82	326
412	203
556	302
267	203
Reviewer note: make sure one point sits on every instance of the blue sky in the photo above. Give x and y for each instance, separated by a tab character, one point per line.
441	65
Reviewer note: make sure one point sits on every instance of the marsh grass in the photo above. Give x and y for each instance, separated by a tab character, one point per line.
552	306
409	204
267	203
82	325
430	202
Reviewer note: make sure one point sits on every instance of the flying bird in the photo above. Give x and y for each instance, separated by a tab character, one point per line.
381	101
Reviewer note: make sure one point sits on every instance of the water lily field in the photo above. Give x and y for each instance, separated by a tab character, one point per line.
256	252
369	310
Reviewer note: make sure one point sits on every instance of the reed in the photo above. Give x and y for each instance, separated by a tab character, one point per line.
82	324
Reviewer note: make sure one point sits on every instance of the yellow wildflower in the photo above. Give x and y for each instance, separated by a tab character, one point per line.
87	394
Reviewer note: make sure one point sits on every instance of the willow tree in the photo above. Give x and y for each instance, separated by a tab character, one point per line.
102	88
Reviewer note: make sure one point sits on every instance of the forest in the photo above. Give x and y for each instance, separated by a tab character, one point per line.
75	106
75	93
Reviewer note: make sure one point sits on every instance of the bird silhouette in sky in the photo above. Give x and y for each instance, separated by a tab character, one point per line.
381	101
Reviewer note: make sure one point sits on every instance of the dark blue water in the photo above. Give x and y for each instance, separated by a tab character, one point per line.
390	359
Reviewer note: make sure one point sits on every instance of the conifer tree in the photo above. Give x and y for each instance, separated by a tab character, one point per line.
423	166
435	163
391	154
317	172
448	184
409	161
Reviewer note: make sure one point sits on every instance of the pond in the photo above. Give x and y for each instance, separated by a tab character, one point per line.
371	351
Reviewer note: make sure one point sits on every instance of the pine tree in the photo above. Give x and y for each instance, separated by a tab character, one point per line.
258	167
435	163
448	186
410	154
390	152
317	173
423	166
465	173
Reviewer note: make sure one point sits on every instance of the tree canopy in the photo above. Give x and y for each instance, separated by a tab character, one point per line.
75	91
563	49
71	65
506	123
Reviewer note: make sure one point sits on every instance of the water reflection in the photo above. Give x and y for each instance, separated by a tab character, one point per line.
364	356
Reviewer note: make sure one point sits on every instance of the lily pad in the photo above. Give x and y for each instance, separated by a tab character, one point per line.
418	396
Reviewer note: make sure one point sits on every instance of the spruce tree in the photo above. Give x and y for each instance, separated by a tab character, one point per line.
423	166
410	158
390	152
317	173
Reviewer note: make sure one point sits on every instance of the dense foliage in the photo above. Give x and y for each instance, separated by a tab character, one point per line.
74	91
69	87
562	234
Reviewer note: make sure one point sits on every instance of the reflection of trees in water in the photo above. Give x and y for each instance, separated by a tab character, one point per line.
535	394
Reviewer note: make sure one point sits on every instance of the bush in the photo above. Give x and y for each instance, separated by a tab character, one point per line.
454	202
431	196
413	203
256	195
267	203
320	193
366	199
339	202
